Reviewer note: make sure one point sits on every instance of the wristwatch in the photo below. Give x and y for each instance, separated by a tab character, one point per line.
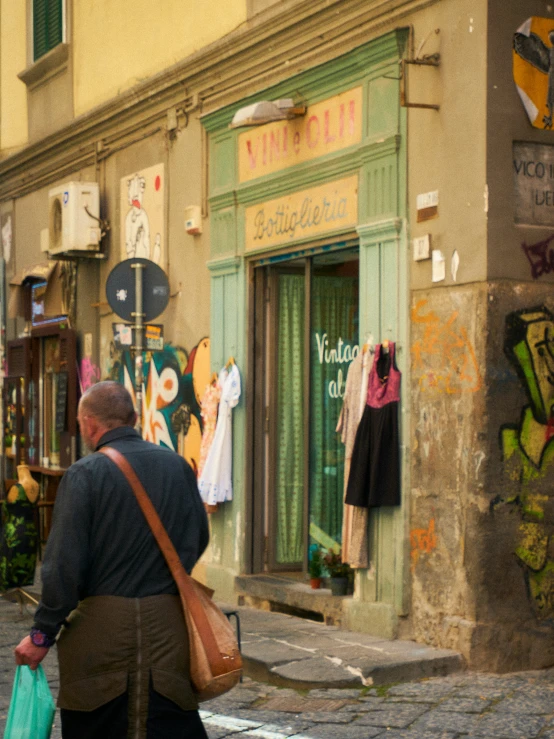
40	639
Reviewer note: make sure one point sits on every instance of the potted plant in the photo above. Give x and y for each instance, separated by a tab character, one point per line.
314	568
338	572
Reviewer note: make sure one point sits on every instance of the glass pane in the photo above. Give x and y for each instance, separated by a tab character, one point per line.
334	343
289	482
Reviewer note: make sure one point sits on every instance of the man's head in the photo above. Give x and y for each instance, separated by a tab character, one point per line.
104	406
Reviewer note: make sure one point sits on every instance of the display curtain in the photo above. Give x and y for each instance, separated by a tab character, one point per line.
334	316
290	419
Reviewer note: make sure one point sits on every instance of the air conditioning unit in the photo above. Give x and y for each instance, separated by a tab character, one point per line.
72	226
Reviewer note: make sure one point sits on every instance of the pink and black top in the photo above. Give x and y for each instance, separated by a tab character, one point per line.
375	468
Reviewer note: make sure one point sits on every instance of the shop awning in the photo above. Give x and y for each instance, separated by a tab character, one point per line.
49	272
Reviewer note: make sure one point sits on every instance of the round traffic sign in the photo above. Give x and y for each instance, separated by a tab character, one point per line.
120	289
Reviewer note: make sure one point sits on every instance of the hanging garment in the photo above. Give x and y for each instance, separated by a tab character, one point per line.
18	542
209	406
215	483
355	519
375	467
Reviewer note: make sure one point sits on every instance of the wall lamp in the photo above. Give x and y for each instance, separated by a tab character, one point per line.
266	111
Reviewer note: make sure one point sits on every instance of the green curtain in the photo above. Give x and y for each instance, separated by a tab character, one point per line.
290	419
334	316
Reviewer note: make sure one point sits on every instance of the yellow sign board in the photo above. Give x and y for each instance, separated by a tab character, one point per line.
303	214
327	127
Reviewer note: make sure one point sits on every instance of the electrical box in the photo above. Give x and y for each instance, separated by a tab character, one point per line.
193	219
422	248
73	210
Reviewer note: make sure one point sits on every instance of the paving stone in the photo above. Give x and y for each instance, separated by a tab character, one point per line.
295	722
342	732
420	735
357	707
429	700
329	718
397	717
465	705
447	722
523	704
301	704
214	732
487	693
509	726
424	689
372	698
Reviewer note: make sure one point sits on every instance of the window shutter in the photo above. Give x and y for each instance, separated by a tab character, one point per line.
47	26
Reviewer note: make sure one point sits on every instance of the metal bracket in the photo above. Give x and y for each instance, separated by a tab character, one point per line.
431	60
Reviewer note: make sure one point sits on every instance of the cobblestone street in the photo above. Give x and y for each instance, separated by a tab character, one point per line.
514	706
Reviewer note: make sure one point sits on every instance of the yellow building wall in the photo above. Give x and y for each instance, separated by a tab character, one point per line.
13	59
117	45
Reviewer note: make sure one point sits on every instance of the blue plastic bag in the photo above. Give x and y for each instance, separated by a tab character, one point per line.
32	707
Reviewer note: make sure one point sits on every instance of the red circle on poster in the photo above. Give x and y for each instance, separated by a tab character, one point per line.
157	182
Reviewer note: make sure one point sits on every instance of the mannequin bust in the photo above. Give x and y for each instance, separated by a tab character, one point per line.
27	482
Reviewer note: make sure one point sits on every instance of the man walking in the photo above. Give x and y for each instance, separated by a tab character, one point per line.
123	648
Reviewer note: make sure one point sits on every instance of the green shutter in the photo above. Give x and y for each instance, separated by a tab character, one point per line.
47	26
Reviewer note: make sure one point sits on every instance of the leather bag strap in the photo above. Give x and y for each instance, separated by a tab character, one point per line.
185	582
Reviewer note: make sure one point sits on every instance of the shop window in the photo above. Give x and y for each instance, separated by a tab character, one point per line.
47	26
40	410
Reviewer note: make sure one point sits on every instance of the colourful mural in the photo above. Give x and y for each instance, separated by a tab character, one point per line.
174	383
528	450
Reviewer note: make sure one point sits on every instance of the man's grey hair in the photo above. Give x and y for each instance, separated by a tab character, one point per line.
110	403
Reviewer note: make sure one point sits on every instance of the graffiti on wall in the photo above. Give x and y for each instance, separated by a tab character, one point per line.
422	541
540	256
528	450
174	384
444	358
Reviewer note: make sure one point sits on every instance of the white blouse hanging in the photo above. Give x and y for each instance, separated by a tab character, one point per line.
215	483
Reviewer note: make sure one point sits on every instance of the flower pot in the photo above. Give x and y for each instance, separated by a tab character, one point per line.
338	585
315	583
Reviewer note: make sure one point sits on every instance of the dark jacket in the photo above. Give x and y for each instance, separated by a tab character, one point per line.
100	543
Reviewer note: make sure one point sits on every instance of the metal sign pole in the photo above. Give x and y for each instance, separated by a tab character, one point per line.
139	340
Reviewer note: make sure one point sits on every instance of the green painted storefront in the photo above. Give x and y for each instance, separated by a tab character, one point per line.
374	169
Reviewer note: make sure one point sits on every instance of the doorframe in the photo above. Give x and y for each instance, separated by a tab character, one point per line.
259	417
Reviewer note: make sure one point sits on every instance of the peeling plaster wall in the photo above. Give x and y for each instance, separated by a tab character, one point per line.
482	509
448	456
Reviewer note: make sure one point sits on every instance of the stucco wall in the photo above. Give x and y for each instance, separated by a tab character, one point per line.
13	93
447	149
116	46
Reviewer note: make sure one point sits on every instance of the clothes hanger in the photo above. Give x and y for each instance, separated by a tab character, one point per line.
368	345
214	378
385	346
230	363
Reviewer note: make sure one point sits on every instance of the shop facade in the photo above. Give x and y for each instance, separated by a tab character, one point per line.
308	267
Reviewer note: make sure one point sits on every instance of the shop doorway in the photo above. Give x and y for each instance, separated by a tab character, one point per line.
306	333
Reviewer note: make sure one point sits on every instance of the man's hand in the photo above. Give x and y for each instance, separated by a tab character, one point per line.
27	654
